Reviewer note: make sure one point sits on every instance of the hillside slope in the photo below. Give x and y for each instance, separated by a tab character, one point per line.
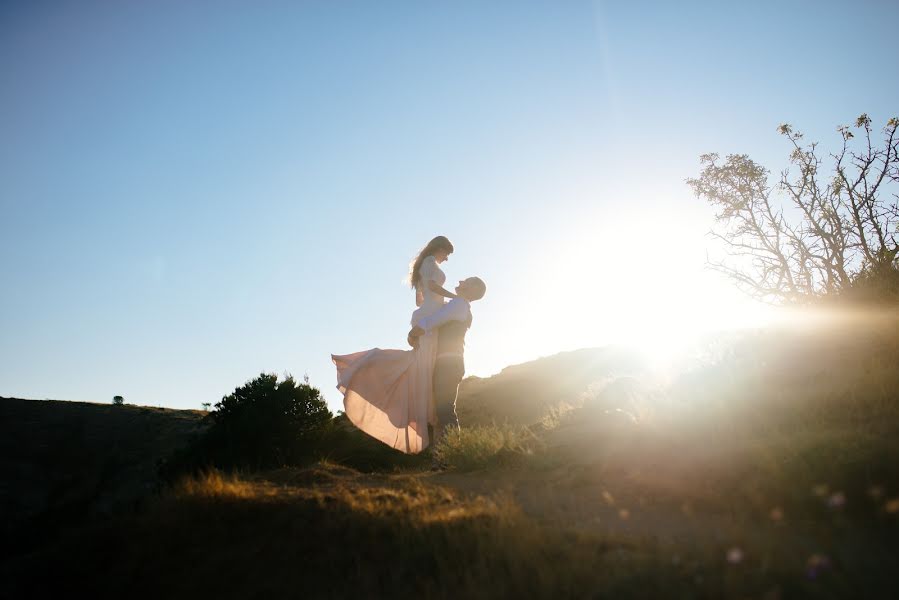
62	462
522	394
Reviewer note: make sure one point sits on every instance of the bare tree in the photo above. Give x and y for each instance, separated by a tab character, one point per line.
809	234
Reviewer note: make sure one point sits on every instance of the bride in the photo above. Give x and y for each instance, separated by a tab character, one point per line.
388	393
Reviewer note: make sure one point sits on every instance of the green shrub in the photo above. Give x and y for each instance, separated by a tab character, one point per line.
263	423
877	283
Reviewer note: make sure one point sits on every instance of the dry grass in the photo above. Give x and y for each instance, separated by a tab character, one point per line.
328	531
351	534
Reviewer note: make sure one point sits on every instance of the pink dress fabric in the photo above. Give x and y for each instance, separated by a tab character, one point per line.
388	393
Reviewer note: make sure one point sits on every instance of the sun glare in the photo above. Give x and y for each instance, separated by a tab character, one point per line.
607	285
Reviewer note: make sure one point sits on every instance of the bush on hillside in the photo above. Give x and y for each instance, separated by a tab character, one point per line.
263	423
876	284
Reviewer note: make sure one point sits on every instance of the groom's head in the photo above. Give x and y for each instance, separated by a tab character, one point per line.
471	289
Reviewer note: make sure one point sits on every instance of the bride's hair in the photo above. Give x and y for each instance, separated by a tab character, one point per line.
438	243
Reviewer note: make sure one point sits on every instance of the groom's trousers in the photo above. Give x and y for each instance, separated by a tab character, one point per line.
449	369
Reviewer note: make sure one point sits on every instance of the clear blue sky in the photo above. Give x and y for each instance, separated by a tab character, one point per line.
195	192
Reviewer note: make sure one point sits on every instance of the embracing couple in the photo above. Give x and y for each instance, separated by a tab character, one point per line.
397	396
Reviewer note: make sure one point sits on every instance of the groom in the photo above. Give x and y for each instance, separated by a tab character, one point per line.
452	323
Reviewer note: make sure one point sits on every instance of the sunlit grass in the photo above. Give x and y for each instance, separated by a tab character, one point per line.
343	489
214	484
482	446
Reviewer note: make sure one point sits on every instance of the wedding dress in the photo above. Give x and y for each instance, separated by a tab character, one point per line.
388	393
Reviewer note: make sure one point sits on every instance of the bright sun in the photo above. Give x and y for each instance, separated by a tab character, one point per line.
661	296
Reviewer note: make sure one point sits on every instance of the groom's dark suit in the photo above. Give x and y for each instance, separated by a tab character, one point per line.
449	369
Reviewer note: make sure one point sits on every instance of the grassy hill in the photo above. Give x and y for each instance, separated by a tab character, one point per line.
768	468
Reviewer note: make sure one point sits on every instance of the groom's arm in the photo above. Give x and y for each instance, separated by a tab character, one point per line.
454	310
